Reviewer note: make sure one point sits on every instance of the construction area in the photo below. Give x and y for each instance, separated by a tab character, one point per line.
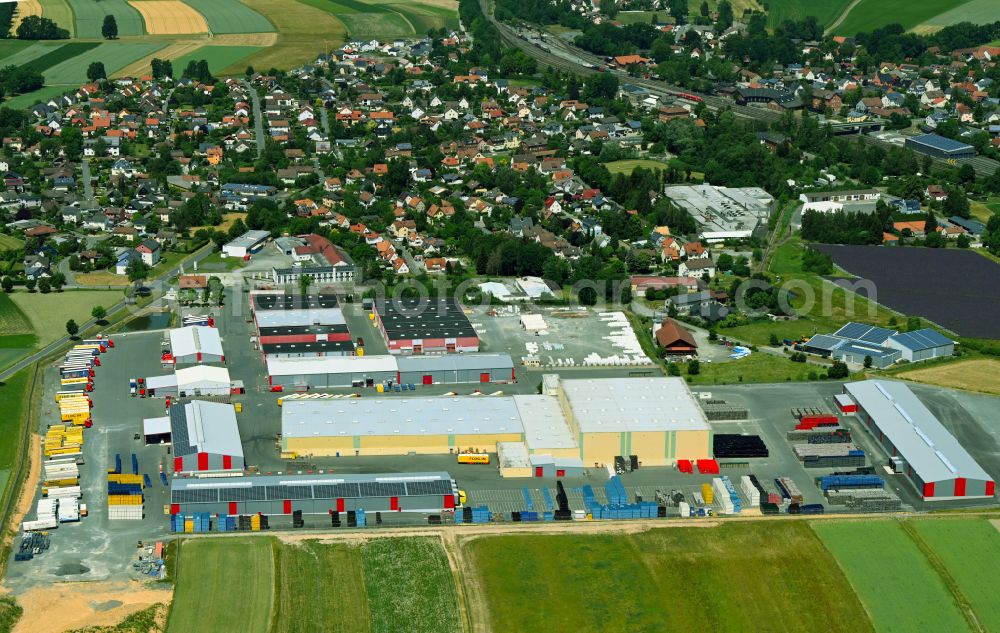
570	442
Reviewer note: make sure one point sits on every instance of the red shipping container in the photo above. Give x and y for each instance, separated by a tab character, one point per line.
708	467
340	505
685	466
960	487
175	508
287	506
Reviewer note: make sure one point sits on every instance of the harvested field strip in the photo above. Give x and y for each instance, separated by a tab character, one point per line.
60	55
737	577
59	12
303	32
319	583
871	553
974	375
171	51
115	55
12	320
218	57
90	17
970	551
24	9
868	15
231	16
409	580
169	17
20	52
975	11
49	312
241	569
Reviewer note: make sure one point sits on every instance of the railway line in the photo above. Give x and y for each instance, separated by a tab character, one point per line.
562	56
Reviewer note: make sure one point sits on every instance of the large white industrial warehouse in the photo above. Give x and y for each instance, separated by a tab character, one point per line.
656	419
917	442
196	344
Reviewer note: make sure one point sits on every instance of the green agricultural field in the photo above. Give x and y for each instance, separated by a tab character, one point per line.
12	319
231	16
61	54
897	584
826	11
759	367
643	17
975	11
241	569
218	57
59	12
90	17
115	55
24	55
8	48
408	580
13	408
385	26
970	551
735	577
9	242
868	15
49	312
29	99
303	31
628	166
317	583
425	17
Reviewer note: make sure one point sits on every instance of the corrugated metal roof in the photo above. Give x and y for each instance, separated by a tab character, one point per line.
312	316
865	333
311	365
188	341
350	417
205	427
613	405
202	375
443	362
824	342
940	142
921	439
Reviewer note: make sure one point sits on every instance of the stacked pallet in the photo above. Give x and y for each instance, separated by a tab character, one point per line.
865	499
125	500
820	435
751	490
788	490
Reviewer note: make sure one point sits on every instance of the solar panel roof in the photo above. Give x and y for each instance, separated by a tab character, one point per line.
926	338
278	488
415	319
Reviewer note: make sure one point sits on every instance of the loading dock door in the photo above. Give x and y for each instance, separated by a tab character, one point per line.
428	379
484	377
539	471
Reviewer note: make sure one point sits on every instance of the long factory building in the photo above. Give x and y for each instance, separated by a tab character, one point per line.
591	420
324	372
420	326
314	494
917	443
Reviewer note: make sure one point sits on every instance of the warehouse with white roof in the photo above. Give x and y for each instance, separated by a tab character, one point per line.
656	419
917	443
196	344
206	439
191	382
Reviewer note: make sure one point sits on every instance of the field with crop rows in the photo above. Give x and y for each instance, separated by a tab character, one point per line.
970	551
59	55
218	57
981	374
871	14
897	584
90	17
12	319
169	17
303	32
826	11
10	48
371	19
59	12
408	580
240	569
231	16
24	54
975	11
319	583
115	55
737	577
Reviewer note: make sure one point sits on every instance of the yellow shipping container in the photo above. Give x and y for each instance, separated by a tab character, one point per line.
125	478
124	500
55	483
